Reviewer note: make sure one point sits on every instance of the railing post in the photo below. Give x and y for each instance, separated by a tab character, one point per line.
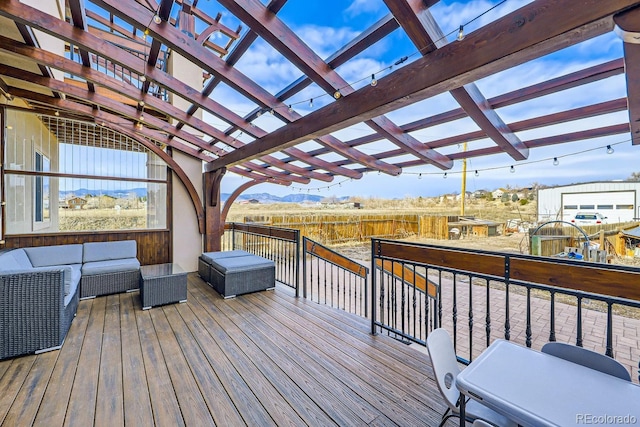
233	236
507	274
298	263
373	288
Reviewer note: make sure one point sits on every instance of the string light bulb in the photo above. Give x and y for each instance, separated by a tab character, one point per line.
146	32
556	162
271	112
141	103
337	94
57	113
157	19
460	33
143	78
311	103
512	169
374	82
444	176
477	174
419	176
290	109
610	149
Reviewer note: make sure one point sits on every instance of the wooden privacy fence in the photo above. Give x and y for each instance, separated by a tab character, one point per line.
332	229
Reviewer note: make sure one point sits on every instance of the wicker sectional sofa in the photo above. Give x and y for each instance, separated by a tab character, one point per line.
40	288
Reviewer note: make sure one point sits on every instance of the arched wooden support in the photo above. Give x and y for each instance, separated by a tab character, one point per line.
213	235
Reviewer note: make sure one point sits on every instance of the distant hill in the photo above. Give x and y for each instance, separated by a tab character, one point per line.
270	198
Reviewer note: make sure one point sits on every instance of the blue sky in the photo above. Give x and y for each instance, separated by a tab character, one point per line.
327	26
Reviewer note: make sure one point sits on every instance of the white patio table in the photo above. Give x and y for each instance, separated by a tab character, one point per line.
537	389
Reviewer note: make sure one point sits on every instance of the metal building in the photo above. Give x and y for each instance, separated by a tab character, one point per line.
619	201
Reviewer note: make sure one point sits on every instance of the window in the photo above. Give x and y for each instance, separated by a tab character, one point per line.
602	207
587	206
624	207
63	175
569	207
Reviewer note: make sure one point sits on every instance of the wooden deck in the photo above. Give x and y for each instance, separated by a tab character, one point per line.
260	359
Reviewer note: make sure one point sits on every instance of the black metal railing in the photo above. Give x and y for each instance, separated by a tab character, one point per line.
281	245
333	279
481	296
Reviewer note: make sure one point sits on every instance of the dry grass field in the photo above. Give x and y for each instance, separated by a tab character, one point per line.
102	219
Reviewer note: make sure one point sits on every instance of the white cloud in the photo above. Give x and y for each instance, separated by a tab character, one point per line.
359	7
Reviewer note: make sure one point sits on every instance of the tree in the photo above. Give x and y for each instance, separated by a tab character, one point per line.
635	176
514	197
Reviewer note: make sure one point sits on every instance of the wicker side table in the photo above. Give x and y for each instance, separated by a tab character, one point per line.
162	284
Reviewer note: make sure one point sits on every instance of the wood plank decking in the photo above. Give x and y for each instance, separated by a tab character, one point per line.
261	359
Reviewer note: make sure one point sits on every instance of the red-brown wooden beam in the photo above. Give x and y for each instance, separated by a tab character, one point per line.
426	34
364	40
56	27
568	81
285	41
193	51
79	18
89	74
164	11
509	41
214	230
628	26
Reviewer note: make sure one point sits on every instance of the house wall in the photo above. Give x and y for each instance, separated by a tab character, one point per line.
552	201
187	240
26	135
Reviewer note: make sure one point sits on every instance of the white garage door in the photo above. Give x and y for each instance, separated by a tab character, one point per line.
618	206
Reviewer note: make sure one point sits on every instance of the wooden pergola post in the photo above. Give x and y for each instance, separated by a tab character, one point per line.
214	228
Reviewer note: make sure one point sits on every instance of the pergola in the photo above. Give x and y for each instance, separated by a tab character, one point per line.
116	75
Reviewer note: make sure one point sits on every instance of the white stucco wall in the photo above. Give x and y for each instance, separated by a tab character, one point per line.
187	240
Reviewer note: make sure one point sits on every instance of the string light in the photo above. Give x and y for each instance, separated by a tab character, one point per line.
512	169
610	149
374	81
141	103
445	175
556	162
157	19
477	174
57	113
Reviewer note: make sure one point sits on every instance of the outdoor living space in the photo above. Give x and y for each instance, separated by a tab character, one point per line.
266	358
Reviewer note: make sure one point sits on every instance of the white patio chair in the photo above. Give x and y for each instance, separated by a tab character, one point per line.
588	358
446	368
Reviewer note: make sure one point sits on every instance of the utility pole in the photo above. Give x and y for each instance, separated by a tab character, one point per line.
463	191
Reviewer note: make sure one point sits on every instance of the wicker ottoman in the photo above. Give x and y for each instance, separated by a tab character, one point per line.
205	260
241	275
162	284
